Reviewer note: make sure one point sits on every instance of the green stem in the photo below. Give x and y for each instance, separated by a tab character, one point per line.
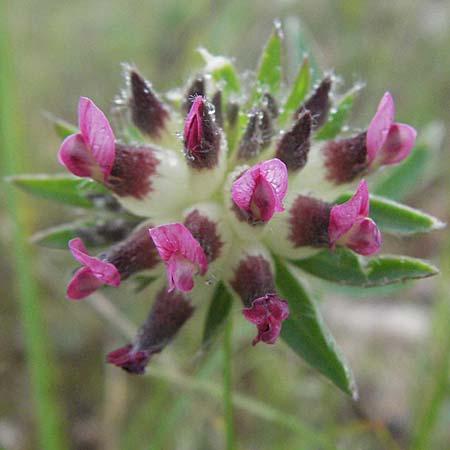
46	412
228	385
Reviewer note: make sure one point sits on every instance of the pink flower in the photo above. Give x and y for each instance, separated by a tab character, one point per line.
91	152
92	275
131	360
349	225
388	142
260	190
267	313
181	254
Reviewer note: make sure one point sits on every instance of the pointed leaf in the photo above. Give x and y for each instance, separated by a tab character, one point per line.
141	282
63	128
58	236
306	333
336	119
399	180
395	218
298	92
63	188
218	311
345	267
222	72
268	76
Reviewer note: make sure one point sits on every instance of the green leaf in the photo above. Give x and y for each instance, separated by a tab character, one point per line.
298	92
269	71
395	218
60	235
347	268
397	181
218	311
142	282
63	188
222	72
332	127
61	127
306	333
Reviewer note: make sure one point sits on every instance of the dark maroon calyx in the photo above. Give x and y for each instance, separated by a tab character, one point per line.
205	232
345	159
168	314
217	103
257	134
253	278
136	253
132	171
195	88
293	148
148	112
308	221
318	104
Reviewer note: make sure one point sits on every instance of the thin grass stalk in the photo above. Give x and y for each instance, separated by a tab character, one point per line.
46	413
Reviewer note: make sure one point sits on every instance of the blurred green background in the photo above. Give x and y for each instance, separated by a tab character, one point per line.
397	340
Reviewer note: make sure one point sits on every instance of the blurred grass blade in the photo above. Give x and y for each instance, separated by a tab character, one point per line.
62	188
61	127
338	115
305	332
218	312
46	414
395	218
268	75
58	236
298	92
347	268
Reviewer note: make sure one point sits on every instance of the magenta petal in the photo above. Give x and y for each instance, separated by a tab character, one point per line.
343	216
379	126
364	237
132	361
267	313
264	200
82	284
193	125
181	253
268	180
399	142
75	155
102	270
97	132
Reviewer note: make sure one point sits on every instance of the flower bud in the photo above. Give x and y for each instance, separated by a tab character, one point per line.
318	104
148	112
168	314
196	88
293	148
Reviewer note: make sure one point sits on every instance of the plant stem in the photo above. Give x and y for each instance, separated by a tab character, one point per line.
46	413
228	385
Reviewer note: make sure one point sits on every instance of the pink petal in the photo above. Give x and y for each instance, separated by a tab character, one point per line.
181	252
343	216
102	270
131	361
266	179
75	155
399	142
264	200
82	284
267	313
97	133
364	237
193	125
379	126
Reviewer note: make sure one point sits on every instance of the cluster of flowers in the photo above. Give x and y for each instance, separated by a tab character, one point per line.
212	206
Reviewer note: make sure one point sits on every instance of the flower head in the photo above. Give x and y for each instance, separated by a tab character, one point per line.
91	152
350	226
